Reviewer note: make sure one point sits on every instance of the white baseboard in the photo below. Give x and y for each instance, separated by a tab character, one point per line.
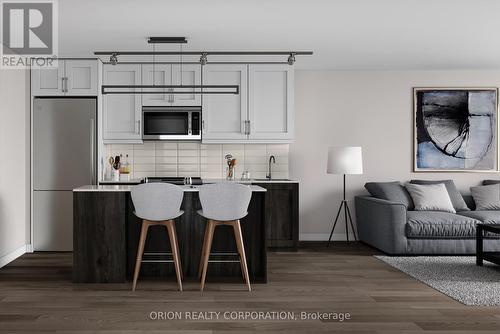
324	237
29	248
6	259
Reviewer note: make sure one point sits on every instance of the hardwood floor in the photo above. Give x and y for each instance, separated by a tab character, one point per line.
37	295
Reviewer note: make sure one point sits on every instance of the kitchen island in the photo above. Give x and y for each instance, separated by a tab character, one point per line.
106	234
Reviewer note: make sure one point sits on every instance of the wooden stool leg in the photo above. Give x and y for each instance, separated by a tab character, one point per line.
178	249
206	252
175	251
200	268
241	250
140	251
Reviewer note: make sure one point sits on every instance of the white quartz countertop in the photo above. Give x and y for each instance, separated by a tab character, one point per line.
205	181
250	181
126	188
132	181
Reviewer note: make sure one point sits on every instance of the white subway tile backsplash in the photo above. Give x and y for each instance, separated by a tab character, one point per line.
166	159
166	145
149	145
188	153
211	160
211	147
210	168
188	160
166	168
144	153
144	167
214	154
262	159
188	146
144	160
166	153
205	160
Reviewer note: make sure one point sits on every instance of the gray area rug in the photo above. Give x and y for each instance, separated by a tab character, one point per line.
455	276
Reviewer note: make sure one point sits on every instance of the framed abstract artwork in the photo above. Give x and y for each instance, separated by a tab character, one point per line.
455	129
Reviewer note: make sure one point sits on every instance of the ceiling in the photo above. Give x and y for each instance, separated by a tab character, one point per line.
344	34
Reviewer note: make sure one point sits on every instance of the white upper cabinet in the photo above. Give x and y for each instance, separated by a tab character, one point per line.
81	77
263	111
270	103
224	116
162	75
70	78
190	75
166	74
122	113
48	82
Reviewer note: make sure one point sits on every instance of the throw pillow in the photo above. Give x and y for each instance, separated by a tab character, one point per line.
455	196
486	197
430	197
390	191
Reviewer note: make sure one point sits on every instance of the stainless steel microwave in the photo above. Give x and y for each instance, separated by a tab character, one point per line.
171	123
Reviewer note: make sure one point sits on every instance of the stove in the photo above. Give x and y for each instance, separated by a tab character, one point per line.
178	180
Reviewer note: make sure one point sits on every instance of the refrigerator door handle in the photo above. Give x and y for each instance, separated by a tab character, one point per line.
92	152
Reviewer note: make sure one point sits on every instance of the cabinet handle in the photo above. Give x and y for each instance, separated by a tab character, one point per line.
249	128
138	127
62	85
66	84
245	124
203	125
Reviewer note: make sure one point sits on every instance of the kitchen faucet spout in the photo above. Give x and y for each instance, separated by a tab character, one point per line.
273	160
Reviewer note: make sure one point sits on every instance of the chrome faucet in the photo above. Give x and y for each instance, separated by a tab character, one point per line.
271	158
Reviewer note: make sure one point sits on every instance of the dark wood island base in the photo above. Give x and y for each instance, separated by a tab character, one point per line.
106	235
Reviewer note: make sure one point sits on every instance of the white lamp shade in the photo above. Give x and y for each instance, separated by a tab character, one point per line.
344	160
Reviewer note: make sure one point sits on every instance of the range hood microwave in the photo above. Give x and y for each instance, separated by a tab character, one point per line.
171	123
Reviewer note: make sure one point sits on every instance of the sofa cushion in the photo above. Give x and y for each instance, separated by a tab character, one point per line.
441	225
390	191
485	216
455	196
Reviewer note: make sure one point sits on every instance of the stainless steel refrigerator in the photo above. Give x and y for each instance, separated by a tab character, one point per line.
64	157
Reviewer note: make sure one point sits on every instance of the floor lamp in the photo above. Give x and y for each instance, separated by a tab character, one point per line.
344	160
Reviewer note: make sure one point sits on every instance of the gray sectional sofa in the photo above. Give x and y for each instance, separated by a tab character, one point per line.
388	222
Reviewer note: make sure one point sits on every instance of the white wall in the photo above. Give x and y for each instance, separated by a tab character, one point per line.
372	109
14	163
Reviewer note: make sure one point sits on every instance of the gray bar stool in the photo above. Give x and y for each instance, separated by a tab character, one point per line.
158	204
224	204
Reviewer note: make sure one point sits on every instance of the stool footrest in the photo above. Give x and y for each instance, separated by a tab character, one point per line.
154	257
221	257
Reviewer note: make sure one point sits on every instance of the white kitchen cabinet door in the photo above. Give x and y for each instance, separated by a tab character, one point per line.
122	112
81	77
48	81
224	116
162	75
270	104
190	75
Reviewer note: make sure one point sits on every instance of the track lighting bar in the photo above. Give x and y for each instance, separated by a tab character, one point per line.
207	53
197	62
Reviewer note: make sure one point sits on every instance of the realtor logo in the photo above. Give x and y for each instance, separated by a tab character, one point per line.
29	32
